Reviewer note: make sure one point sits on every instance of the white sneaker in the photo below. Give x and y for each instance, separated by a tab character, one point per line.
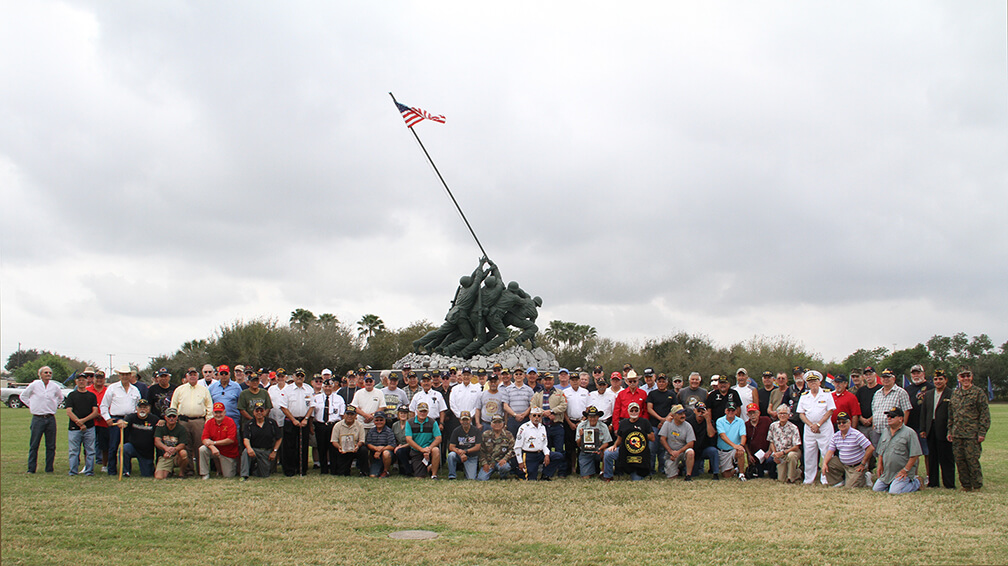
741	477
868	479
205	476
841	484
104	469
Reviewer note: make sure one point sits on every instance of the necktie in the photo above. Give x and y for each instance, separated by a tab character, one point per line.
325	410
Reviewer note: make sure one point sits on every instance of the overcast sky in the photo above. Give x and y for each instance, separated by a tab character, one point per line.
832	172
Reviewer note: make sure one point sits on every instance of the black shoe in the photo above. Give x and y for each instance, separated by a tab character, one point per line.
716	477
688	478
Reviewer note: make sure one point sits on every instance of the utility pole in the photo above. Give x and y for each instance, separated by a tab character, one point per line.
110	366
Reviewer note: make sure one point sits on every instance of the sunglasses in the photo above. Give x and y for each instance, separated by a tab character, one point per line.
171	416
966	374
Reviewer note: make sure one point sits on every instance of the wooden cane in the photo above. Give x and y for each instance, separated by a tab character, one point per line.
121	434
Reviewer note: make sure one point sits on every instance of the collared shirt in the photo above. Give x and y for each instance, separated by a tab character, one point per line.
495	447
336	407
435	402
783	437
592	437
192	401
816	406
519	397
734	430
298	400
896	451
348	436
119	401
622	403
465	398
531	438
227	395
276	398
882	402
577	402
42	399
850	448
369	402
423	432
603	401
223	431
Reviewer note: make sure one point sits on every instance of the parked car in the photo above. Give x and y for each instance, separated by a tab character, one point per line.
11	395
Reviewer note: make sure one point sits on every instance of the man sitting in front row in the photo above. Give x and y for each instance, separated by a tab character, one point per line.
424	438
898	451
261	437
171	440
847	455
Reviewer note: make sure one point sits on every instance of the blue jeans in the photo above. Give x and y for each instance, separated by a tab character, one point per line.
402	455
42	426
609	466
75	438
897	486
471	465
589	464
658	455
711	455
502	471
146	464
534	462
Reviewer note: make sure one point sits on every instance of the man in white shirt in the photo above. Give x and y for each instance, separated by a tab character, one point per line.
602	398
577	403
297	403
465	395
42	397
815	407
435	401
120	400
744	387
368	402
532	448
329	409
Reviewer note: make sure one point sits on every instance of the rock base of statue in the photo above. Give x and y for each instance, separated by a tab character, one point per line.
513	357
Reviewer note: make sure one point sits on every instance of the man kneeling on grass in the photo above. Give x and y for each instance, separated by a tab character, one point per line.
171	440
847	455
424	438
677	438
220	442
898	451
261	437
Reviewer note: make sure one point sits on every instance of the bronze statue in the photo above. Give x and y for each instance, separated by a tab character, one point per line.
481	312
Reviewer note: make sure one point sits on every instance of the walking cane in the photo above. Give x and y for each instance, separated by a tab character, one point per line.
121	434
300	456
524	465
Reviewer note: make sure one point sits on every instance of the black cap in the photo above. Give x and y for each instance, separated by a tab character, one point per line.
798	370
598	369
894	412
143	402
840	377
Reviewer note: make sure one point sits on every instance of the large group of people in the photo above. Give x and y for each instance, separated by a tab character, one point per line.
857	430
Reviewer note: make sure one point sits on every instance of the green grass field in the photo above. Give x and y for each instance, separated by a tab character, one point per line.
56	519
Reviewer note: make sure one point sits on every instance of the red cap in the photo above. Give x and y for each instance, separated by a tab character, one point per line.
223	369
616	375
218	407
752	407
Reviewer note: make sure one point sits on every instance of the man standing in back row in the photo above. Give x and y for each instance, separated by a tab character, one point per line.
42	397
968	422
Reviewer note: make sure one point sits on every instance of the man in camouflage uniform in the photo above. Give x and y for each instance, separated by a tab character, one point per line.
496	450
968	422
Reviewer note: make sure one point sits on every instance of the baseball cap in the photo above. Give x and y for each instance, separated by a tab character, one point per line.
536	411
768	374
677	409
532	370
894	412
497	419
752	407
597	369
676	378
741	370
633	406
465	415
730	405
171	412
143	401
842	416
564	370
917	367
699	405
162	371
798	370
327	371
616	375
869	369
218	407
498	366
379	415
648	371
403	409
422	407
840	377
223	369
351	410
259	405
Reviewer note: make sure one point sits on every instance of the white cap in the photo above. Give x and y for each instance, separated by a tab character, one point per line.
327	371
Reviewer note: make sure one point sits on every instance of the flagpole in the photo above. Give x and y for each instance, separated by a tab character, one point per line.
459	208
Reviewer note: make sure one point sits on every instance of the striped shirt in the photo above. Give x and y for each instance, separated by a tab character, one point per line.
851	448
882	402
519	398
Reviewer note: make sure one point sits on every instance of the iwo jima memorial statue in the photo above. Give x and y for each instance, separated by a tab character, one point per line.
482	310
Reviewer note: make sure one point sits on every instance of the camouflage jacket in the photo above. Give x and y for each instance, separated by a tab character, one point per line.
968	415
496	448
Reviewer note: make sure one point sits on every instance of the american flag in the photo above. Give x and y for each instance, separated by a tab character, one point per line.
416	115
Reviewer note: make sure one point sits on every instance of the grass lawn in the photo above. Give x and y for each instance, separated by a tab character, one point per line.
56	519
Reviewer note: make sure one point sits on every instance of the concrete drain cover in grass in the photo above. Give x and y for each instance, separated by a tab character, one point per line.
413	535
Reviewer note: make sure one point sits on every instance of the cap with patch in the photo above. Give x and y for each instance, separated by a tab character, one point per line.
699	405
768	374
465	415
281	372
939	373
677	409
798	370
350	410
403	409
481	371
506	371
258	405
171	412
842	416
841	378
299	372
627	366
869	369
368	377
741	371
218	407
633	406
143	401
616	375
498	366
813	375
163	371
916	367
592	412
361	371
894	412
496	419
888	373
425	377
662	376
223	369
752	407
598	369
676	378
648	371
466	369
422	407
445	374
722	379
536	411
494	377
730	406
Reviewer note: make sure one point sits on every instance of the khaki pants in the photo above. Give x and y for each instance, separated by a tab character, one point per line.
228	466
837	471
789	469
195	429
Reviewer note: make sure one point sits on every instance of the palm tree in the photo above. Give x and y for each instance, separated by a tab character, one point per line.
369	325
301	319
327	320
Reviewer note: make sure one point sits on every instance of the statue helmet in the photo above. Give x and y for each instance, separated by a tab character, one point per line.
490	281
513	286
537	301
465	280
